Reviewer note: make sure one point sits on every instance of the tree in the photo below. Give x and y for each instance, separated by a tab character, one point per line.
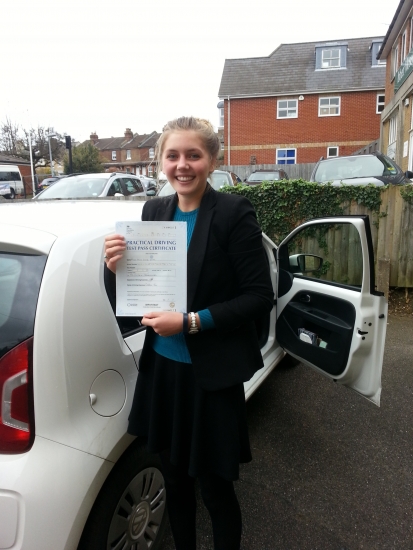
15	141
85	159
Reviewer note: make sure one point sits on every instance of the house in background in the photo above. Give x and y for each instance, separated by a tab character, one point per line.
397	116
132	153
303	102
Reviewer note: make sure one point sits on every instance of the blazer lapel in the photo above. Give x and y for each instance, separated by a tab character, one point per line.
166	211
199	241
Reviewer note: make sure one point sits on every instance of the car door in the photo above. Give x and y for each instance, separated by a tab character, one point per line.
329	314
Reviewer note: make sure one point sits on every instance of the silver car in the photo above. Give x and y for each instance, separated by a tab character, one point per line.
96	185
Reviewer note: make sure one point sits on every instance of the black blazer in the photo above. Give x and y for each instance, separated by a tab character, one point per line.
228	273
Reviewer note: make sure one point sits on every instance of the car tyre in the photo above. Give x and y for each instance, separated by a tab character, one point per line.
130	510
12	194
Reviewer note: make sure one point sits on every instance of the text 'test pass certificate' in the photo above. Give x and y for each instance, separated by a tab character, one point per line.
151	276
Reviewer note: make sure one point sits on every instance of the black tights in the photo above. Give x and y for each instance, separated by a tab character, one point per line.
219	498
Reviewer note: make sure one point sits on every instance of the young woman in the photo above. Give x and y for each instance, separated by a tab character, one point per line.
189	400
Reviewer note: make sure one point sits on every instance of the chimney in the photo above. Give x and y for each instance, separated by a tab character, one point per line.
94	138
128	134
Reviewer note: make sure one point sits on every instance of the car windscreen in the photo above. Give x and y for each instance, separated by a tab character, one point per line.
264	176
353	167
20	277
73	188
219	179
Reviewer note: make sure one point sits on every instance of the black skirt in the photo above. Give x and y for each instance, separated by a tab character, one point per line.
206	430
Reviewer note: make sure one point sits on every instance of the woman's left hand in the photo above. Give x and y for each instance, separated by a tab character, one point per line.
164	323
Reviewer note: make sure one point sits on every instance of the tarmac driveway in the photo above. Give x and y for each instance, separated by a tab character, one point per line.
330	470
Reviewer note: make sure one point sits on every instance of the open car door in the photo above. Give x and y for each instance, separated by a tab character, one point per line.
329	315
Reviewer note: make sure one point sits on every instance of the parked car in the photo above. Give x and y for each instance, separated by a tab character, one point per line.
360	170
258	176
11	183
148	183
95	185
218	179
235	179
47	182
70	476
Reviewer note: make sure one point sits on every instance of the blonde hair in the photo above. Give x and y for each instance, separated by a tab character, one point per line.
200	125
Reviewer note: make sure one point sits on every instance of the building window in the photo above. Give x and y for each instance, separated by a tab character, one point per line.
391	148
128	170
395	60
329	106
286	156
379	103
151	152
332	151
287	108
150	170
222	146
403	48
411	34
375	48
331	56
221	117
128	157
113	155
330	59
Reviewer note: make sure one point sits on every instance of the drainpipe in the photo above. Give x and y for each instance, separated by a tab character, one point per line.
229	132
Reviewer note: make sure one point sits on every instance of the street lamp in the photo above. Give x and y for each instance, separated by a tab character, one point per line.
50	135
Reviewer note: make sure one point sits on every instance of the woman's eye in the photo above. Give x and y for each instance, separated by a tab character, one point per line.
194	156
170	156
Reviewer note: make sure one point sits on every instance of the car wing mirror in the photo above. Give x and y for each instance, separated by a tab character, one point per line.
305	263
150	192
409	174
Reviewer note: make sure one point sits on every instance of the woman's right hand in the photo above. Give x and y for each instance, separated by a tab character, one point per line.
114	248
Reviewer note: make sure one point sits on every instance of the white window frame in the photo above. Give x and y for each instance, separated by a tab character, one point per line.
393	129
291	111
128	155
277	159
395	60
329	106
113	155
380	103
411	34
403	47
326	63
336	147
221	117
151	152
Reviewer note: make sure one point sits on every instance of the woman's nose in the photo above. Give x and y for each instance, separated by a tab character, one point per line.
182	162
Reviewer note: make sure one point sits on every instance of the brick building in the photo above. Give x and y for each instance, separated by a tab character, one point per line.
397	116
132	153
302	102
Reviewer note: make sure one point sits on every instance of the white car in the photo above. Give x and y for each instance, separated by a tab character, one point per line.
70	476
218	179
105	184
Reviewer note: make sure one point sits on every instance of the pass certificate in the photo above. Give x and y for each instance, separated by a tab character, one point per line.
151	276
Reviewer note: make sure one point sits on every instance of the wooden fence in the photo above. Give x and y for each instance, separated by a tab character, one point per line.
392	239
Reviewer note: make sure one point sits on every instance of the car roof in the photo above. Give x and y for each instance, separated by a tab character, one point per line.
68	217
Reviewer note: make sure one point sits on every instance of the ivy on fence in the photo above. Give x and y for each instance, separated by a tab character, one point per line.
283	205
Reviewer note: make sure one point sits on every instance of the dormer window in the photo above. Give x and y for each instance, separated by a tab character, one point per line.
375	48
330	59
331	56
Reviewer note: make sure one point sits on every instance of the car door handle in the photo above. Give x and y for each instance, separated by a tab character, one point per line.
362	333
305	298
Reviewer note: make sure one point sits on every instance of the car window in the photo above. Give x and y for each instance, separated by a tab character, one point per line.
132	186
75	187
330	252
20	277
357	166
115	188
5	176
219	179
264	176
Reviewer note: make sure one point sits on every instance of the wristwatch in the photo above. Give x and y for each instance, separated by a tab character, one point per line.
193	329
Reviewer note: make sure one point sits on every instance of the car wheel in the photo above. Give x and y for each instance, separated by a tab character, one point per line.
12	194
130	511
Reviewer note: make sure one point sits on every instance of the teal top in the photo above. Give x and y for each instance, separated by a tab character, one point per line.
174	347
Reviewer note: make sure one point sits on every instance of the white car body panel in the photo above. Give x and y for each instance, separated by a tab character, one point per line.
79	437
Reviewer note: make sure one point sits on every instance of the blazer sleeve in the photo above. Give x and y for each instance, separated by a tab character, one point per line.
250	268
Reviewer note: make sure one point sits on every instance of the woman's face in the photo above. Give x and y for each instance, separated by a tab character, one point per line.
186	163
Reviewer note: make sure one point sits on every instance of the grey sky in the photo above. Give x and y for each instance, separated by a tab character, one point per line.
90	65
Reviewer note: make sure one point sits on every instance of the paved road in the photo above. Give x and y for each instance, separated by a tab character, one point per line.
331	471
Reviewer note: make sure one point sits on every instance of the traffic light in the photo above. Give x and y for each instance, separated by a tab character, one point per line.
68	141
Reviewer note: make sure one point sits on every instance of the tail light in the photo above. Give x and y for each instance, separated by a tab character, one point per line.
16	394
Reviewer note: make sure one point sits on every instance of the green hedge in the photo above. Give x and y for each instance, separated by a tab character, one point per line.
283	205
